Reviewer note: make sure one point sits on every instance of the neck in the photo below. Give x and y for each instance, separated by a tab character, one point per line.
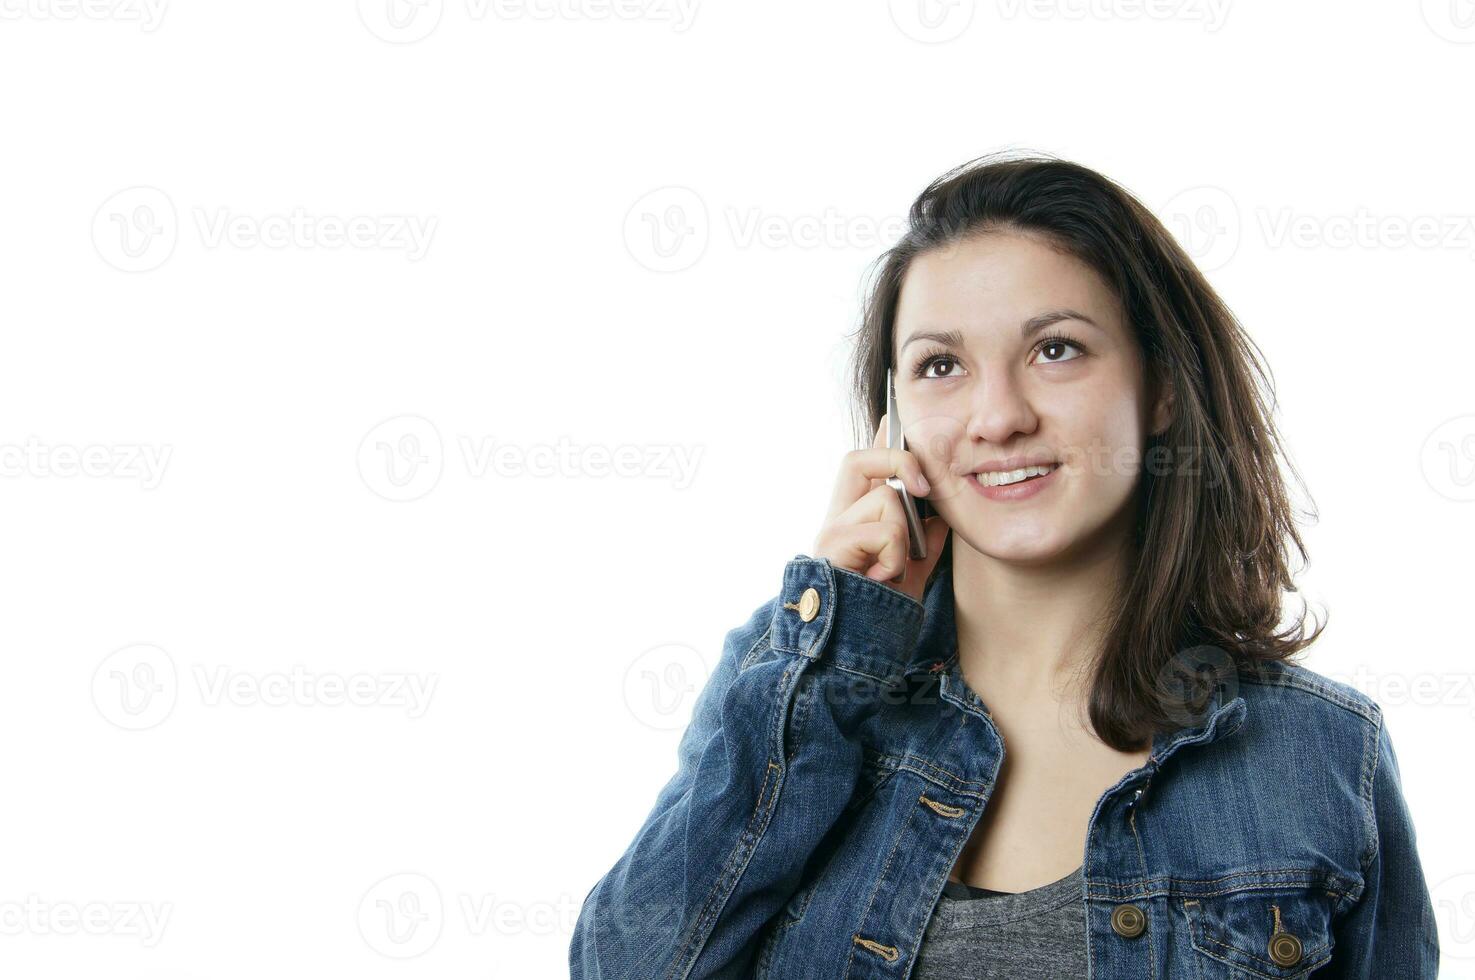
1029	634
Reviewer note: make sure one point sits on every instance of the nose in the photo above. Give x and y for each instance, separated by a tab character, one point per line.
998	408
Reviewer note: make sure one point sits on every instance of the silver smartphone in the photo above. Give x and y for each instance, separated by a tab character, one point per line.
896	438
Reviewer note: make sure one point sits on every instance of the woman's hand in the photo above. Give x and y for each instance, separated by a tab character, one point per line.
866	531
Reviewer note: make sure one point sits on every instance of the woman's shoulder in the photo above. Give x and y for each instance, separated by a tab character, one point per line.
1331	721
1287	684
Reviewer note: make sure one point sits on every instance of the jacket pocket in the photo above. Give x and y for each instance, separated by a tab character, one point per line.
1276	933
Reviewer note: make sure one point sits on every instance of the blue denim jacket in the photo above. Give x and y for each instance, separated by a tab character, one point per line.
836	763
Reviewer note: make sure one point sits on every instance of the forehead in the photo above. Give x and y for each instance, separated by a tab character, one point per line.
996	281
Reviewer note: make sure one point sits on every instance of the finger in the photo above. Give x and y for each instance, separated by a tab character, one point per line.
880	505
879	442
861	469
883	506
876	547
901	568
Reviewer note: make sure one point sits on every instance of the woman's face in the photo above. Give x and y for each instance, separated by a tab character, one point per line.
1039	365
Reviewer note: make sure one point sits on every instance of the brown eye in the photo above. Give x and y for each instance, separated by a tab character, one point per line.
1054	349
943	364
936	359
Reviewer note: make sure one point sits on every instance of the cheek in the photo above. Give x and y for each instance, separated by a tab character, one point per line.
1121	427
938	443
1104	433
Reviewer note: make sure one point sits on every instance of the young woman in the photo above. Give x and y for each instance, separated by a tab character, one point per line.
1102	595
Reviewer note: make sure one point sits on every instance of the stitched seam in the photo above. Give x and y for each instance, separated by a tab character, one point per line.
749	658
742	853
881	881
886	677
1300	876
1306	951
1142	859
1327	694
928	771
892	595
721	887
799	712
1370	756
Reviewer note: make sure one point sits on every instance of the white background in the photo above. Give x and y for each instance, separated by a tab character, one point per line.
156	763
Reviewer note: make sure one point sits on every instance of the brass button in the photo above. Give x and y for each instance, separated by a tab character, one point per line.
1285	949
809	604
1128	920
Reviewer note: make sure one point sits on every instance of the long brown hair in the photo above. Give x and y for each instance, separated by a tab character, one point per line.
1212	540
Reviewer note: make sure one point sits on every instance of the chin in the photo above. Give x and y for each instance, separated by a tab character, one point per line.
1023	544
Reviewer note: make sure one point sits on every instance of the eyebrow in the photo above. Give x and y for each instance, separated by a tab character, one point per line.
1027	329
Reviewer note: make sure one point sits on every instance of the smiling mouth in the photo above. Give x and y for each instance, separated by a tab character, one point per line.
1004	478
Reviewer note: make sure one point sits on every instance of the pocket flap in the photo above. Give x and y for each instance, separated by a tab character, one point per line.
1276	933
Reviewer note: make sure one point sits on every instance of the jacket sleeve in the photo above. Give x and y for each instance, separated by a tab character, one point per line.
1391	931
764	769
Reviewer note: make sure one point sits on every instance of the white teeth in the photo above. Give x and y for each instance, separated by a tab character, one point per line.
1005	477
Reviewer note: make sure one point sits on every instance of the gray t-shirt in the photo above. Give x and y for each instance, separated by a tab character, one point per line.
977	934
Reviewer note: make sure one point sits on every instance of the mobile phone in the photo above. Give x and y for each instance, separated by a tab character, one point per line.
915	508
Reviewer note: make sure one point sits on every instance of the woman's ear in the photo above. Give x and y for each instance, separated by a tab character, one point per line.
1162	409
